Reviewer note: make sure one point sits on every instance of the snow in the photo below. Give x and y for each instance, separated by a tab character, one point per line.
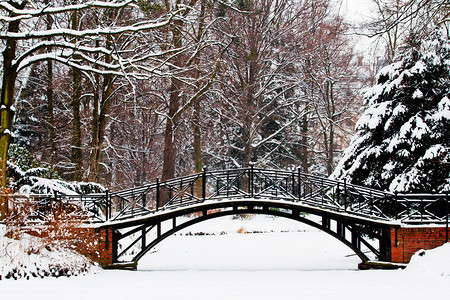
443	110
417	94
373	116
47	186
23	256
288	260
431	263
29	182
377	113
421	128
419	67
434	152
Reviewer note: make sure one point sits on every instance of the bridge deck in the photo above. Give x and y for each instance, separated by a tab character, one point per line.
257	205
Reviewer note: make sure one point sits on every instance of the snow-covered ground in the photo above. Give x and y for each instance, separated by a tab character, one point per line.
288	261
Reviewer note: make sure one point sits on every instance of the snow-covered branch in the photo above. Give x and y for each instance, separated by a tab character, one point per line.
27	13
42	34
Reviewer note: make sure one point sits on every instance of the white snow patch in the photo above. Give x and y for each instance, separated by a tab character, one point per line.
373	116
443	110
417	94
434	152
431	263
419	67
420	129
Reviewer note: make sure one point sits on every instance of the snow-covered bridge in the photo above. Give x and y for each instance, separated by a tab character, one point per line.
133	221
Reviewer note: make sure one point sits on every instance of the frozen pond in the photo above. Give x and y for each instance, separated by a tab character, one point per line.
293	262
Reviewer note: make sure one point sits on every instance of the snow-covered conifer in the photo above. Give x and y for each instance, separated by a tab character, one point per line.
402	140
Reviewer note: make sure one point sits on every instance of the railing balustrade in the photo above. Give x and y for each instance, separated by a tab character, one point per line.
277	185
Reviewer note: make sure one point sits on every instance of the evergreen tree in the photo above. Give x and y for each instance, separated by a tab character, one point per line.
402	141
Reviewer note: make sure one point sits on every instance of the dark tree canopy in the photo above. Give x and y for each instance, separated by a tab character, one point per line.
402	140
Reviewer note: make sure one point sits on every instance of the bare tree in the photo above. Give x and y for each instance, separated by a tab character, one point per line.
398	21
187	76
335	78
28	41
259	102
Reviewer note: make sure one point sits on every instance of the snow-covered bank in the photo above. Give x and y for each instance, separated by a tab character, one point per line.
431	263
25	257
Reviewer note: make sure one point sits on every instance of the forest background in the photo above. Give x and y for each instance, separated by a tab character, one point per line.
123	92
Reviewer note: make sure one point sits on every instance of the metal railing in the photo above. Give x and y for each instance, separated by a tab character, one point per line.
292	186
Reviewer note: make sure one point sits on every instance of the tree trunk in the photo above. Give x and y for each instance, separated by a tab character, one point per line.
103	121
7	102
329	134
197	142
77	153
100	119
51	119
331	147
93	171
49	92
170	152
304	143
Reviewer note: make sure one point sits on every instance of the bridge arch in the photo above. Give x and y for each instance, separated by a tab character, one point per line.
349	230
356	211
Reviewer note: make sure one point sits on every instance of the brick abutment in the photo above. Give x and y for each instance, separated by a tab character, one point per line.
101	250
405	241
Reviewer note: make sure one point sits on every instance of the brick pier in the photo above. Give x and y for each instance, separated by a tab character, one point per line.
103	251
407	240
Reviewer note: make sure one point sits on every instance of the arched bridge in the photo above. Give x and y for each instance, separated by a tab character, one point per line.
135	220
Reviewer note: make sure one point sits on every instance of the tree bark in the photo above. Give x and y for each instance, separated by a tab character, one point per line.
93	171
331	118
7	102
50	112
100	119
77	153
304	142
197	141
170	151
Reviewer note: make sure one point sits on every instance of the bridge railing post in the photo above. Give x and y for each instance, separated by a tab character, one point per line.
299	185
337	193
447	199
422	208
157	194
250	181
276	187
228	183
107	205
345	194
396	205
204	185
293	184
